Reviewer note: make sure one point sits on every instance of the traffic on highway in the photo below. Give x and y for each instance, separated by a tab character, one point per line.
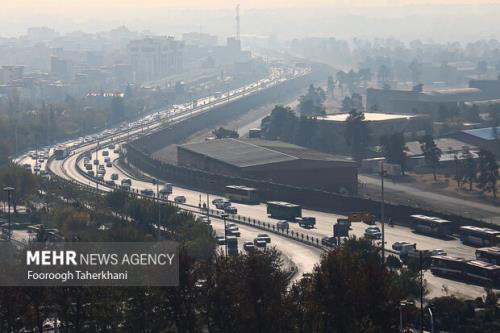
95	161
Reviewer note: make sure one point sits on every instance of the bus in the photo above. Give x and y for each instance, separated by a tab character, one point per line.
283	210
477	236
489	254
60	153
243	194
448	266
432	226
483	272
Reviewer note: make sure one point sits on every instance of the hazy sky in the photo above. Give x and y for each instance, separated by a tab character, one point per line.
260	17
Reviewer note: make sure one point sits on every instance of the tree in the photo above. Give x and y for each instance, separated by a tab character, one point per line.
330	86
357	134
470	169
394	149
222	133
339	295
416	71
487	172
432	153
117	109
383	74
482	68
280	124
311	104
4	153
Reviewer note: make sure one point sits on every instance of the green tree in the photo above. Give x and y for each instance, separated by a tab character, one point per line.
311	104
339	295
470	168
280	124
357	134
117	109
487	172
432	153
394	149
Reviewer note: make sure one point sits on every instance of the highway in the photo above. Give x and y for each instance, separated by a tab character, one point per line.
304	256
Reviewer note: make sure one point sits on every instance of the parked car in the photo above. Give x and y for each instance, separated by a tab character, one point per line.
373	232
249	246
282	225
105	153
329	241
109	164
110	182
265	237
114	176
180	199
231	210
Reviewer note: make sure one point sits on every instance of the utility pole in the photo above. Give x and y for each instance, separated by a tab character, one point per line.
382	209
157	182
9	191
421	293
238	22
224	217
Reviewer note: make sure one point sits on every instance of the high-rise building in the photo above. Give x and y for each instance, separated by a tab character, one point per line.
9	74
155	57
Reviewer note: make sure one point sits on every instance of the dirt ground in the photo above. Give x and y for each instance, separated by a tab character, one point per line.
447	185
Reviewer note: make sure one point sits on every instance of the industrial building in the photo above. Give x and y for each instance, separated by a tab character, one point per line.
412	126
487	138
420	101
272	161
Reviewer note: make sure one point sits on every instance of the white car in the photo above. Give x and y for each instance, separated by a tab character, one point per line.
373	233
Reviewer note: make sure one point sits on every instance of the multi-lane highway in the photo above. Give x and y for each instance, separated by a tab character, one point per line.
305	257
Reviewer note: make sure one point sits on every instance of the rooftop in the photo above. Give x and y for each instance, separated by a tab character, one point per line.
445	144
487	133
246	153
369	116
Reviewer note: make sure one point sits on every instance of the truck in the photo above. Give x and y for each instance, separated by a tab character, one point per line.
362	217
60	153
166	189
306	221
232	245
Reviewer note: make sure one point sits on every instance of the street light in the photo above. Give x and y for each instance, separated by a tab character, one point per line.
157	183
402	304
224	217
9	191
382	208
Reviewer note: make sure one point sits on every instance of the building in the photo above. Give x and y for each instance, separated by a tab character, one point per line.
272	161
155	57
487	138
200	39
419	101
412	126
10	74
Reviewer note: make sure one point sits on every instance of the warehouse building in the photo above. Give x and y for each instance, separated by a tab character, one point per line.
412	126
487	138
272	161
